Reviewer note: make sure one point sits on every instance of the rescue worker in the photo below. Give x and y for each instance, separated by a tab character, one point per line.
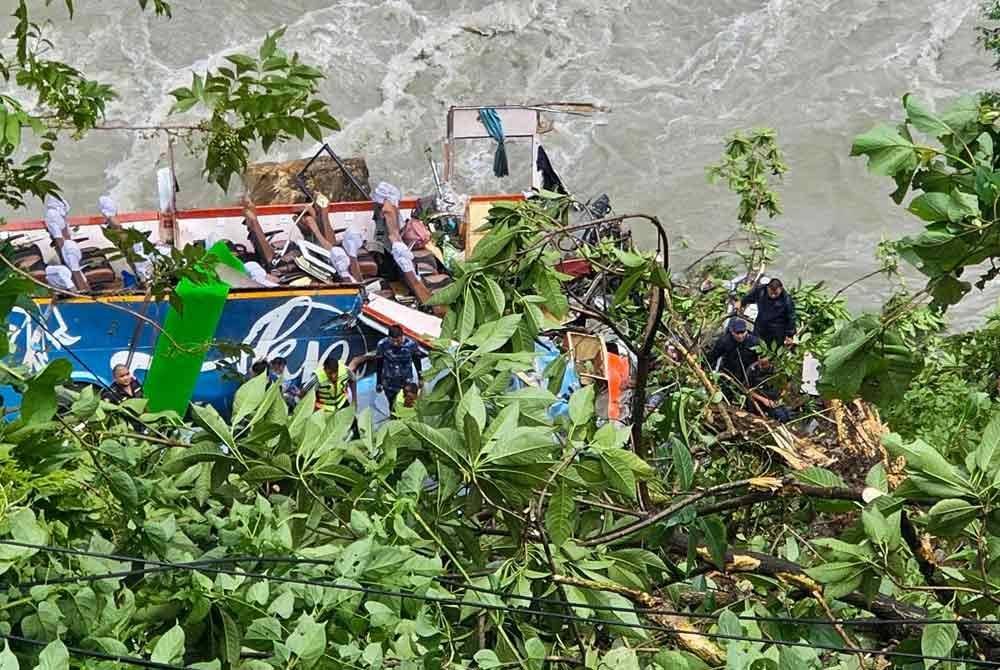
408	408
332	383
395	357
123	387
775	321
763	397
734	353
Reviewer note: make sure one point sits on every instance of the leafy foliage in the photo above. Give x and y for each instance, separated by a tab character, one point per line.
270	98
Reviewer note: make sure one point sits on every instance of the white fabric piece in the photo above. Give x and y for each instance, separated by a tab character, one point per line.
107	206
54	202
145	270
258	274
352	243
341	262
386	191
60	277
55	223
72	255
403	257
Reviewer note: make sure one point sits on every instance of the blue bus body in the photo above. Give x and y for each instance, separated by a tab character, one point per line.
302	325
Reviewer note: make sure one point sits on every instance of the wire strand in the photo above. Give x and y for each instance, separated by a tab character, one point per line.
202	563
130	660
453	602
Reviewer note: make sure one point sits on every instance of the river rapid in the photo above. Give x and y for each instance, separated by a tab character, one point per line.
676	75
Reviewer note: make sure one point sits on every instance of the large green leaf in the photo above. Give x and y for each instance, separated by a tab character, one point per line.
923	119
54	656
8	661
949	517
38	404
923	459
248	397
308	640
559	517
214	423
938	639
581	405
621	658
493	335
618	469
524	446
888	152
170	647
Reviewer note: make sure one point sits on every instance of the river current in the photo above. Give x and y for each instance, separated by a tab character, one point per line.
676	75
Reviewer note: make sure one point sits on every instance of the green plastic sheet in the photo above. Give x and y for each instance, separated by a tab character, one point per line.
184	342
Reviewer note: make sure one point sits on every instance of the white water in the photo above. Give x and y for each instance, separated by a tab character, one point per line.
678	76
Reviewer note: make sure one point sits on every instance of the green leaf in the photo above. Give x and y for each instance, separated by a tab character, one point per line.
123	487
922	119
837	571
620	658
988	444
380	615
8	661
283	605
490	246
485	659
888	152
876	526
467	321
242	63
938	639
38	405
248	397
214	423
618	469
820	477
524	446
308	640
671	660
949	517
24	527
534	649
493	335
683	465
496	296
939	476
729	624
170	647
450	293
715	537
55	656
472	404
581	405
411	482
560	515
953	207
797	658
12	130
232	639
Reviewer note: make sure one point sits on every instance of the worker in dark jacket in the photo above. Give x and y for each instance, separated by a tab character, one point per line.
734	350
775	320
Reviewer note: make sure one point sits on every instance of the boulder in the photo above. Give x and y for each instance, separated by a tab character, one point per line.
274	183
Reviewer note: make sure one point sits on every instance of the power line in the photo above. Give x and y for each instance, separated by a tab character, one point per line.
202	564
452	602
130	660
746	617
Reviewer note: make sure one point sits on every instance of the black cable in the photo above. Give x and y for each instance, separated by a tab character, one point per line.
872	621
452	602
130	660
196	565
